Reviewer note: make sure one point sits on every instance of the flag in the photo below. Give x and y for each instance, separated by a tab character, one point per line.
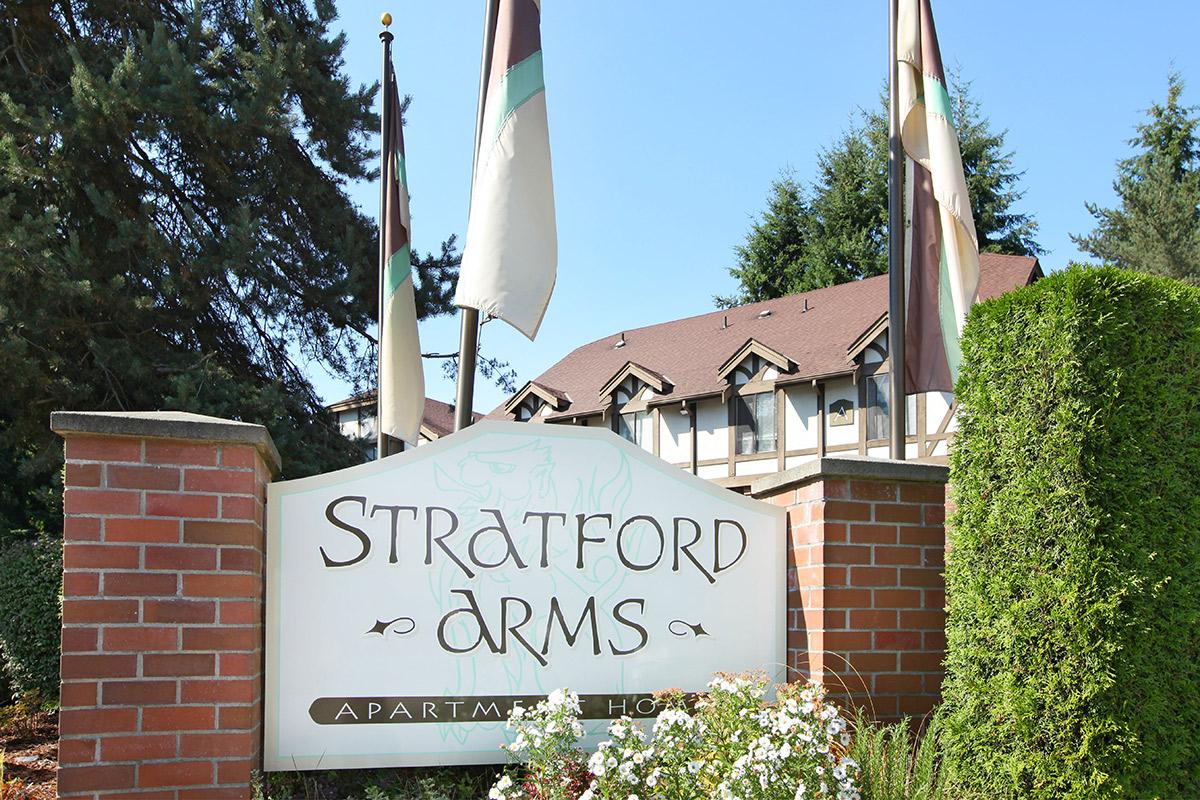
511	253
941	263
401	378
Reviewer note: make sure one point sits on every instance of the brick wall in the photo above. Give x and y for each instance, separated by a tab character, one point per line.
866	594
162	615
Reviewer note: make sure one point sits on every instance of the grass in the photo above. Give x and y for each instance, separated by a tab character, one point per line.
898	765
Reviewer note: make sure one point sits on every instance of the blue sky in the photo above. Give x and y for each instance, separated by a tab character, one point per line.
669	119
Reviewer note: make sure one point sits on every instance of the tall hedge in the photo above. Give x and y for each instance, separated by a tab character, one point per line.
30	614
1073	577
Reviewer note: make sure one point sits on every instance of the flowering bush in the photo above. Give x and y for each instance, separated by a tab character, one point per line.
731	745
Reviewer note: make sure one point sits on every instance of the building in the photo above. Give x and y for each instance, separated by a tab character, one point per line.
355	417
736	394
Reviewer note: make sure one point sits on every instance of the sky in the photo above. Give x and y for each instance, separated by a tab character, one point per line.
670	118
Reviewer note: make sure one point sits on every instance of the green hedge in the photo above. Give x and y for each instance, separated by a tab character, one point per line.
1073	578
30	614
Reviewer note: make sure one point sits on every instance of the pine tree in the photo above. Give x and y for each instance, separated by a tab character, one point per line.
844	215
175	230
1156	228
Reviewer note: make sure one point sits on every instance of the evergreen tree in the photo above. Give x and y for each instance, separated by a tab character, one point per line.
174	225
1156	228
842	220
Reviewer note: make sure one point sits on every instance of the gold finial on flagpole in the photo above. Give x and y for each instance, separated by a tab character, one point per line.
386	19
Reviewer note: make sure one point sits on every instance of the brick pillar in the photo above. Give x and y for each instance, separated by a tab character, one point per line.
866	594
162	604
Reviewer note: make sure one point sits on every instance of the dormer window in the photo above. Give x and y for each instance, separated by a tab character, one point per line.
754	421
535	400
632	425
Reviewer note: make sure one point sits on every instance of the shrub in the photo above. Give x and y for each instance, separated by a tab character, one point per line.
1073	577
30	599
895	765
731	745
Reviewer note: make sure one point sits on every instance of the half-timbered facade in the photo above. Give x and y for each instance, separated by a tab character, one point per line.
733	395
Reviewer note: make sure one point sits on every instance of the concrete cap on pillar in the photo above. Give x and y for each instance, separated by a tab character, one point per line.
850	468
168	425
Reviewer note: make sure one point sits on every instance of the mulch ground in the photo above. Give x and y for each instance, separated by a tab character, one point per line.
30	757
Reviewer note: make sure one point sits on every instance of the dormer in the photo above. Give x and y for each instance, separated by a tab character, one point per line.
754	362
628	393
535	402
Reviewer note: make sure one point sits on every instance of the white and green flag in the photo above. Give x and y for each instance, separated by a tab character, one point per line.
401	379
510	257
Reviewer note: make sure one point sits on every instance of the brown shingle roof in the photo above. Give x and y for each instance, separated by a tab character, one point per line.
438	416
688	352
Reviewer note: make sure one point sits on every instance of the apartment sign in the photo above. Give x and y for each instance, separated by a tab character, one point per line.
414	601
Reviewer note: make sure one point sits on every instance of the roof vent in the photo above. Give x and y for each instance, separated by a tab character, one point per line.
621	342
805	311
766	312
724	322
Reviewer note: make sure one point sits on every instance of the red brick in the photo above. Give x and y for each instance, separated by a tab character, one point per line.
846	510
934	598
78	695
96	777
922	577
242	718
175	773
181	505
933	556
898	684
221	638
194	611
200	585
81	529
221	691
238	457
935	514
885	554
98	666
181	558
136	794
173	452
100	556
198	745
178	664
928	619
179	718
100	501
893	512
140	584
925	535
873	620
923	492
847	598
79	640
917	705
847	640
137	748
140	638
897	640
219	481
120	477
921	662
76	751
235	771
97	720
81	584
241	612
101	448
215	792
847	554
141	530
237	533
240	559
82	475
138	693
873	534
934	640
873	576
872	662
897	598
872	490
237	507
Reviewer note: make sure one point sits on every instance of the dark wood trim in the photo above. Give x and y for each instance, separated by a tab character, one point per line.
695	443
820	387
921	425
780	424
656	415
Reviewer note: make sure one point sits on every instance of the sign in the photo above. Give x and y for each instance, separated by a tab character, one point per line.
414	601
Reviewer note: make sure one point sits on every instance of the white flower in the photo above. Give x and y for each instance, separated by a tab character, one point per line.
800	792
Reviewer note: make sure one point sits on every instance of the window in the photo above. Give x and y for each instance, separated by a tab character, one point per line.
754	420
878	424
630	425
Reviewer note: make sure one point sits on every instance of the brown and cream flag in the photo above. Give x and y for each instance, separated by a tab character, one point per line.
510	257
401	378
941	262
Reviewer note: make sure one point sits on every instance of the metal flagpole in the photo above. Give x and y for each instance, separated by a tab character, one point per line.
382	440
895	247
468	345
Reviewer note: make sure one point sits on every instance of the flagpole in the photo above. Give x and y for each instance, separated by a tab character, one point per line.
383	442
468	344
896	399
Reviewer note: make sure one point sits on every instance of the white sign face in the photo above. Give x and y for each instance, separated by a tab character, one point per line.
414	601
